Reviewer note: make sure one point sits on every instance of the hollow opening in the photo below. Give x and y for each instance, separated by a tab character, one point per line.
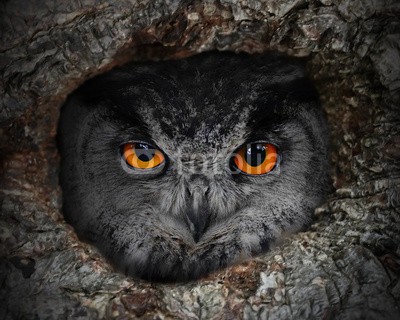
357	225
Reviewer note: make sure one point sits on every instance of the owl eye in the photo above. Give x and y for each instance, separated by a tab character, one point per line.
141	155
256	158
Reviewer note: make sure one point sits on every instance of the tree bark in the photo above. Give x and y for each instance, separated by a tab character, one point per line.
346	266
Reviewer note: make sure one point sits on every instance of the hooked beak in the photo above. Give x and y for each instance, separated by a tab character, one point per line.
198	214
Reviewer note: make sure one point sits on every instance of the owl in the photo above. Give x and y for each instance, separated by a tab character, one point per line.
178	168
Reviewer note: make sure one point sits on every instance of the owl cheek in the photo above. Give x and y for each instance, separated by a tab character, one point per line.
251	243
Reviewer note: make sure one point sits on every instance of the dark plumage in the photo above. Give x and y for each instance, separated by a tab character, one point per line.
193	214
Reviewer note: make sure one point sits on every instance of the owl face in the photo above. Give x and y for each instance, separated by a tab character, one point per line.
178	168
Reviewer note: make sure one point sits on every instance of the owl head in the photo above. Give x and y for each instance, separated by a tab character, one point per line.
178	168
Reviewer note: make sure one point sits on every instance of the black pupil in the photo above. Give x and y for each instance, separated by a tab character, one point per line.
144	152
255	154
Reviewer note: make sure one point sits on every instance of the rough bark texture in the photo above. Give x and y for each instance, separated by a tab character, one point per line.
346	266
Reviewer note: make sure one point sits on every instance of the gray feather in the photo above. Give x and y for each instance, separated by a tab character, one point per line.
192	215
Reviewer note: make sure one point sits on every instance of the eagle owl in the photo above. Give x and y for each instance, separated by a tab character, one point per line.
175	169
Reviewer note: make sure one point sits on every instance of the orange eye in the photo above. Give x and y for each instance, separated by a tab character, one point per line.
256	158
141	155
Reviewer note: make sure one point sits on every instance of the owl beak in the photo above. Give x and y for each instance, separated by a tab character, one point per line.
198	215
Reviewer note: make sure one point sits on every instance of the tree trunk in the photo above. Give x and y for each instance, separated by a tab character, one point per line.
346	266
